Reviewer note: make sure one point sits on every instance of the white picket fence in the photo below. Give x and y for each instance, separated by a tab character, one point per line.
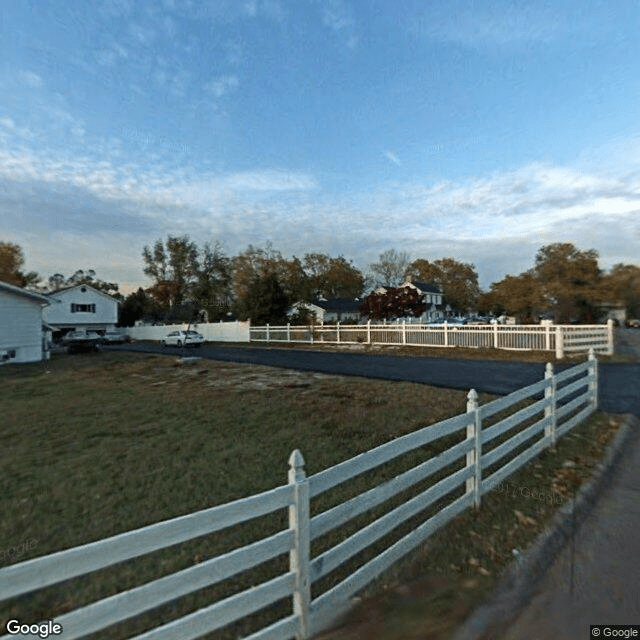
558	338
558	403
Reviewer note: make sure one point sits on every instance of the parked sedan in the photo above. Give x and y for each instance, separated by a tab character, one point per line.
115	337
186	338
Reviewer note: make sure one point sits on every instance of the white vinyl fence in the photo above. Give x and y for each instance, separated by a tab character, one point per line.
558	338
485	452
212	331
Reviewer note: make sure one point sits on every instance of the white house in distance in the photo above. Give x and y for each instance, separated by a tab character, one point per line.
432	297
331	310
80	307
22	338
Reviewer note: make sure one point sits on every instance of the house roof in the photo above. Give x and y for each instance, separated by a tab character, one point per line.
19	291
53	294
342	305
423	286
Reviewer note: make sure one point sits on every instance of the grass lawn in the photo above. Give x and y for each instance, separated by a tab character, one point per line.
101	443
454	353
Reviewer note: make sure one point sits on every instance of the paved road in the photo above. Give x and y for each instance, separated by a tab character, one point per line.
619	383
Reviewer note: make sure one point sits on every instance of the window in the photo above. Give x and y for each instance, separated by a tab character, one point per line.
83	308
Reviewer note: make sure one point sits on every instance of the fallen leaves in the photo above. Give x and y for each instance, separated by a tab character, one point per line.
523	519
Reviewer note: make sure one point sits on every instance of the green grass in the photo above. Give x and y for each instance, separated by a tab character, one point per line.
98	444
101	443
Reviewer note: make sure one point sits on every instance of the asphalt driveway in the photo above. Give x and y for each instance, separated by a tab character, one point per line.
619	383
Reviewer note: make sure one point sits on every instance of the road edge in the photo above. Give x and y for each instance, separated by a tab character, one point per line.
520	579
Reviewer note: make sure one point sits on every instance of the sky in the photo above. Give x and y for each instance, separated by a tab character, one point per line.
474	130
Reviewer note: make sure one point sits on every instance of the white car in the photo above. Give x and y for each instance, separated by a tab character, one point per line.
180	338
115	337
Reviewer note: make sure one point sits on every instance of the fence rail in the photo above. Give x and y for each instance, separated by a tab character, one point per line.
483	458
558	338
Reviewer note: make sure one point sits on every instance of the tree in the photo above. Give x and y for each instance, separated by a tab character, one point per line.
173	270
11	263
138	306
211	289
332	277
393	303
622	284
458	280
516	295
570	280
89	277
391	268
265	302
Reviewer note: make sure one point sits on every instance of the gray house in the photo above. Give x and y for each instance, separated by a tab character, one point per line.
22	335
331	310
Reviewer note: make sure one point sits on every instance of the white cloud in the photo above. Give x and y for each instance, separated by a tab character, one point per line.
392	157
31	79
223	85
337	16
497	222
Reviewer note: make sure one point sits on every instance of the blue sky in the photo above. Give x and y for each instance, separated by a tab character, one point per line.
476	130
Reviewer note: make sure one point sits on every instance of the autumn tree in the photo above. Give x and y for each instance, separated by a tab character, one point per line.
332	277
570	281
391	268
458	280
517	295
393	303
622	284
11	265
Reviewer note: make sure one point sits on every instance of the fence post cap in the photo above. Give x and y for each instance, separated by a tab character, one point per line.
592	355
472	400
548	370
296	466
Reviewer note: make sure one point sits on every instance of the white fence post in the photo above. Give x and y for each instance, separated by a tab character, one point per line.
446	335
299	555
559	342
609	337
550	411
495	335
474	428
267	332
404	333
368	331
547	338
338	332
593	375
288	332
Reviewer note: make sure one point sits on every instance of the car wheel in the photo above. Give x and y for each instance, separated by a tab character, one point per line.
179	343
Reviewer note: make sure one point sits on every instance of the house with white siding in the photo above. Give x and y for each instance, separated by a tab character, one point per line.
331	310
80	308
22	337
